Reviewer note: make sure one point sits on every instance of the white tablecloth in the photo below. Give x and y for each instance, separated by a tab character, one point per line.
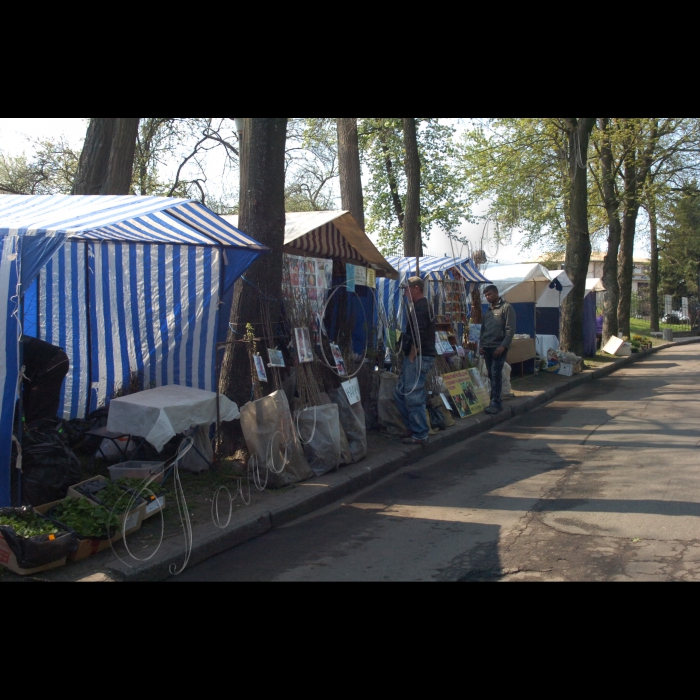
160	414
546	342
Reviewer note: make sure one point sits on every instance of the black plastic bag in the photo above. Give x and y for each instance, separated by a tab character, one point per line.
437	419
33	552
49	466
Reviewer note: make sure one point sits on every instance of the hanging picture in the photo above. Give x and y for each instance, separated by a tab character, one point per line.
303	343
352	391
361	276
475	333
276	358
339	361
260	368
350	277
371	278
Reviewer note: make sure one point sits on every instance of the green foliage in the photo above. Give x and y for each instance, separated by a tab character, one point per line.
679	242
138	486
443	200
29	524
49	170
520	168
87	519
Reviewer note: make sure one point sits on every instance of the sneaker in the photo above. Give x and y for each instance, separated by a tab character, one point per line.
492	410
414	441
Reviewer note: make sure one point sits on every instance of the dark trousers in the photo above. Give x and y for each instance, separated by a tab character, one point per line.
494	365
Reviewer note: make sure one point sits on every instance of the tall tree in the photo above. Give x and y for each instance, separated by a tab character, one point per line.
107	160
412	243
350	169
578	245
262	216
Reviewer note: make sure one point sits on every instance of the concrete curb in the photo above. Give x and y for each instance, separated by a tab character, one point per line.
208	540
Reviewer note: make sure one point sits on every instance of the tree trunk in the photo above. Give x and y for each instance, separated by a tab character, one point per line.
391	177
107	161
350	170
654	271
121	158
612	207
634	177
262	217
94	159
578	245
412	244
626	257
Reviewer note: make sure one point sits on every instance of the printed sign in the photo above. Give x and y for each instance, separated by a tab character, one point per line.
352	391
303	343
260	368
360	275
461	389
371	278
276	358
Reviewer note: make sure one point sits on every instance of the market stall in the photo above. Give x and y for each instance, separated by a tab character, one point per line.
124	284
522	286
450	282
548	312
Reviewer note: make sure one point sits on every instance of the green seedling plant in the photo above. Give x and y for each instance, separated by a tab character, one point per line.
108	494
87	519
29	525
137	485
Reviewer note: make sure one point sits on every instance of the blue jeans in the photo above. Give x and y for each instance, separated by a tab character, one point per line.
494	365
410	395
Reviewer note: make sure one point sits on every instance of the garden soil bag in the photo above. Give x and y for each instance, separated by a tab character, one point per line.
40	550
319	432
269	433
437	404
390	417
352	419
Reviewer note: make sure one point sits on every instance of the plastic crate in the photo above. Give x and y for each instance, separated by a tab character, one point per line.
138	470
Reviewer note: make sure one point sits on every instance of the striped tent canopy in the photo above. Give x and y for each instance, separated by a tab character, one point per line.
332	235
123	284
436	269
433	269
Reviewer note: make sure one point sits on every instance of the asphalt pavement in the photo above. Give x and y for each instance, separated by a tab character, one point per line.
600	484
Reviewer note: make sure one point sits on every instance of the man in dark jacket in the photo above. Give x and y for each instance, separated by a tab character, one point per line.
419	355
497	331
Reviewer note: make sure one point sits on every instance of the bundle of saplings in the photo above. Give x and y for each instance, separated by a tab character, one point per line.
88	520
34	539
110	495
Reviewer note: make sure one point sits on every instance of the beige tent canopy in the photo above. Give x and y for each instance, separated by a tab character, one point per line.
332	235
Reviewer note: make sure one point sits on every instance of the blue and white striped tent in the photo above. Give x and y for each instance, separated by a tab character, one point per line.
123	284
432	269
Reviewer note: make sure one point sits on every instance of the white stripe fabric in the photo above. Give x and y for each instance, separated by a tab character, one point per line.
153	313
106	218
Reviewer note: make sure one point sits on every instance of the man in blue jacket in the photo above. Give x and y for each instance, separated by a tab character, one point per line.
497	331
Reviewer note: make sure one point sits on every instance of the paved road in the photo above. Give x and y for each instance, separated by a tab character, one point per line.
603	484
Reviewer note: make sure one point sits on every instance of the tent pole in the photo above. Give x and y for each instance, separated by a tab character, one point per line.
88	327
20	402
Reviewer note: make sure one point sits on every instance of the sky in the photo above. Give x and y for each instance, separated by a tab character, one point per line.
16	135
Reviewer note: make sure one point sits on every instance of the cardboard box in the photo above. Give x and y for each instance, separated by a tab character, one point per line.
131	521
9	561
87	546
154	507
138	470
565	369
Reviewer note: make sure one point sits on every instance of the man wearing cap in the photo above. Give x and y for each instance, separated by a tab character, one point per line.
497	331
419	355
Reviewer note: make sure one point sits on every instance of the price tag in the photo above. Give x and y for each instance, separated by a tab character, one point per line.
446	402
352	390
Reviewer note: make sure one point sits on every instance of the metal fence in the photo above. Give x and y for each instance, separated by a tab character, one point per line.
678	313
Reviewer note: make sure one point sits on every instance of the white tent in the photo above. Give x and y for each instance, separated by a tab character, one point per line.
524	283
552	297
